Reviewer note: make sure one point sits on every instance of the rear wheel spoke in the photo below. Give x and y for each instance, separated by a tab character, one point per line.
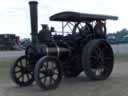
94	57
107	58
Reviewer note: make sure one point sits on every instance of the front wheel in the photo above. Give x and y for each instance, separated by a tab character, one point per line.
97	60
21	73
48	73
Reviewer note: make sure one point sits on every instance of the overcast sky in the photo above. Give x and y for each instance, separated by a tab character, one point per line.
14	14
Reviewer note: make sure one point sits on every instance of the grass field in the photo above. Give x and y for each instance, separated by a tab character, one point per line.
5	68
5	65
121	58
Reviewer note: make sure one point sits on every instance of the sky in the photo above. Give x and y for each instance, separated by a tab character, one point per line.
14	14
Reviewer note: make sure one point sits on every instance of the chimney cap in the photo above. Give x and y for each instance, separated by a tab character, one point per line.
33	2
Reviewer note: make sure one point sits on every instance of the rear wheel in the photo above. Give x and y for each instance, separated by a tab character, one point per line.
97	60
48	73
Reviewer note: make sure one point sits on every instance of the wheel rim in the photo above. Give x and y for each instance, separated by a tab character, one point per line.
21	73
100	61
49	74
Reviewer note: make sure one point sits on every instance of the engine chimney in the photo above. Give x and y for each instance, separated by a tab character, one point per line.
34	21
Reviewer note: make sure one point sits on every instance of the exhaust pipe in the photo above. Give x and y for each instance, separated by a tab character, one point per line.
34	21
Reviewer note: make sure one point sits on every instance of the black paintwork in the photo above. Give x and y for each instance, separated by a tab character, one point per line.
80	17
67	50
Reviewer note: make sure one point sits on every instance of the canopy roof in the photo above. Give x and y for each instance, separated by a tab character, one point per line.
80	17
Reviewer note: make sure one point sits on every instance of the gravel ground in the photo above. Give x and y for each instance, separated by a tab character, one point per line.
116	85
10	54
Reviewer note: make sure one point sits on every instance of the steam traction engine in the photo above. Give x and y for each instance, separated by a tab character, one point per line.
54	55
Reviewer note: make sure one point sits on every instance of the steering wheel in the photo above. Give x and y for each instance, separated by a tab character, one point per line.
82	28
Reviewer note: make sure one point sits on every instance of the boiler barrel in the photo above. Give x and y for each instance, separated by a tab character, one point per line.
55	50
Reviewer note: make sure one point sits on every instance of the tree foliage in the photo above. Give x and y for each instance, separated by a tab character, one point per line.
120	36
